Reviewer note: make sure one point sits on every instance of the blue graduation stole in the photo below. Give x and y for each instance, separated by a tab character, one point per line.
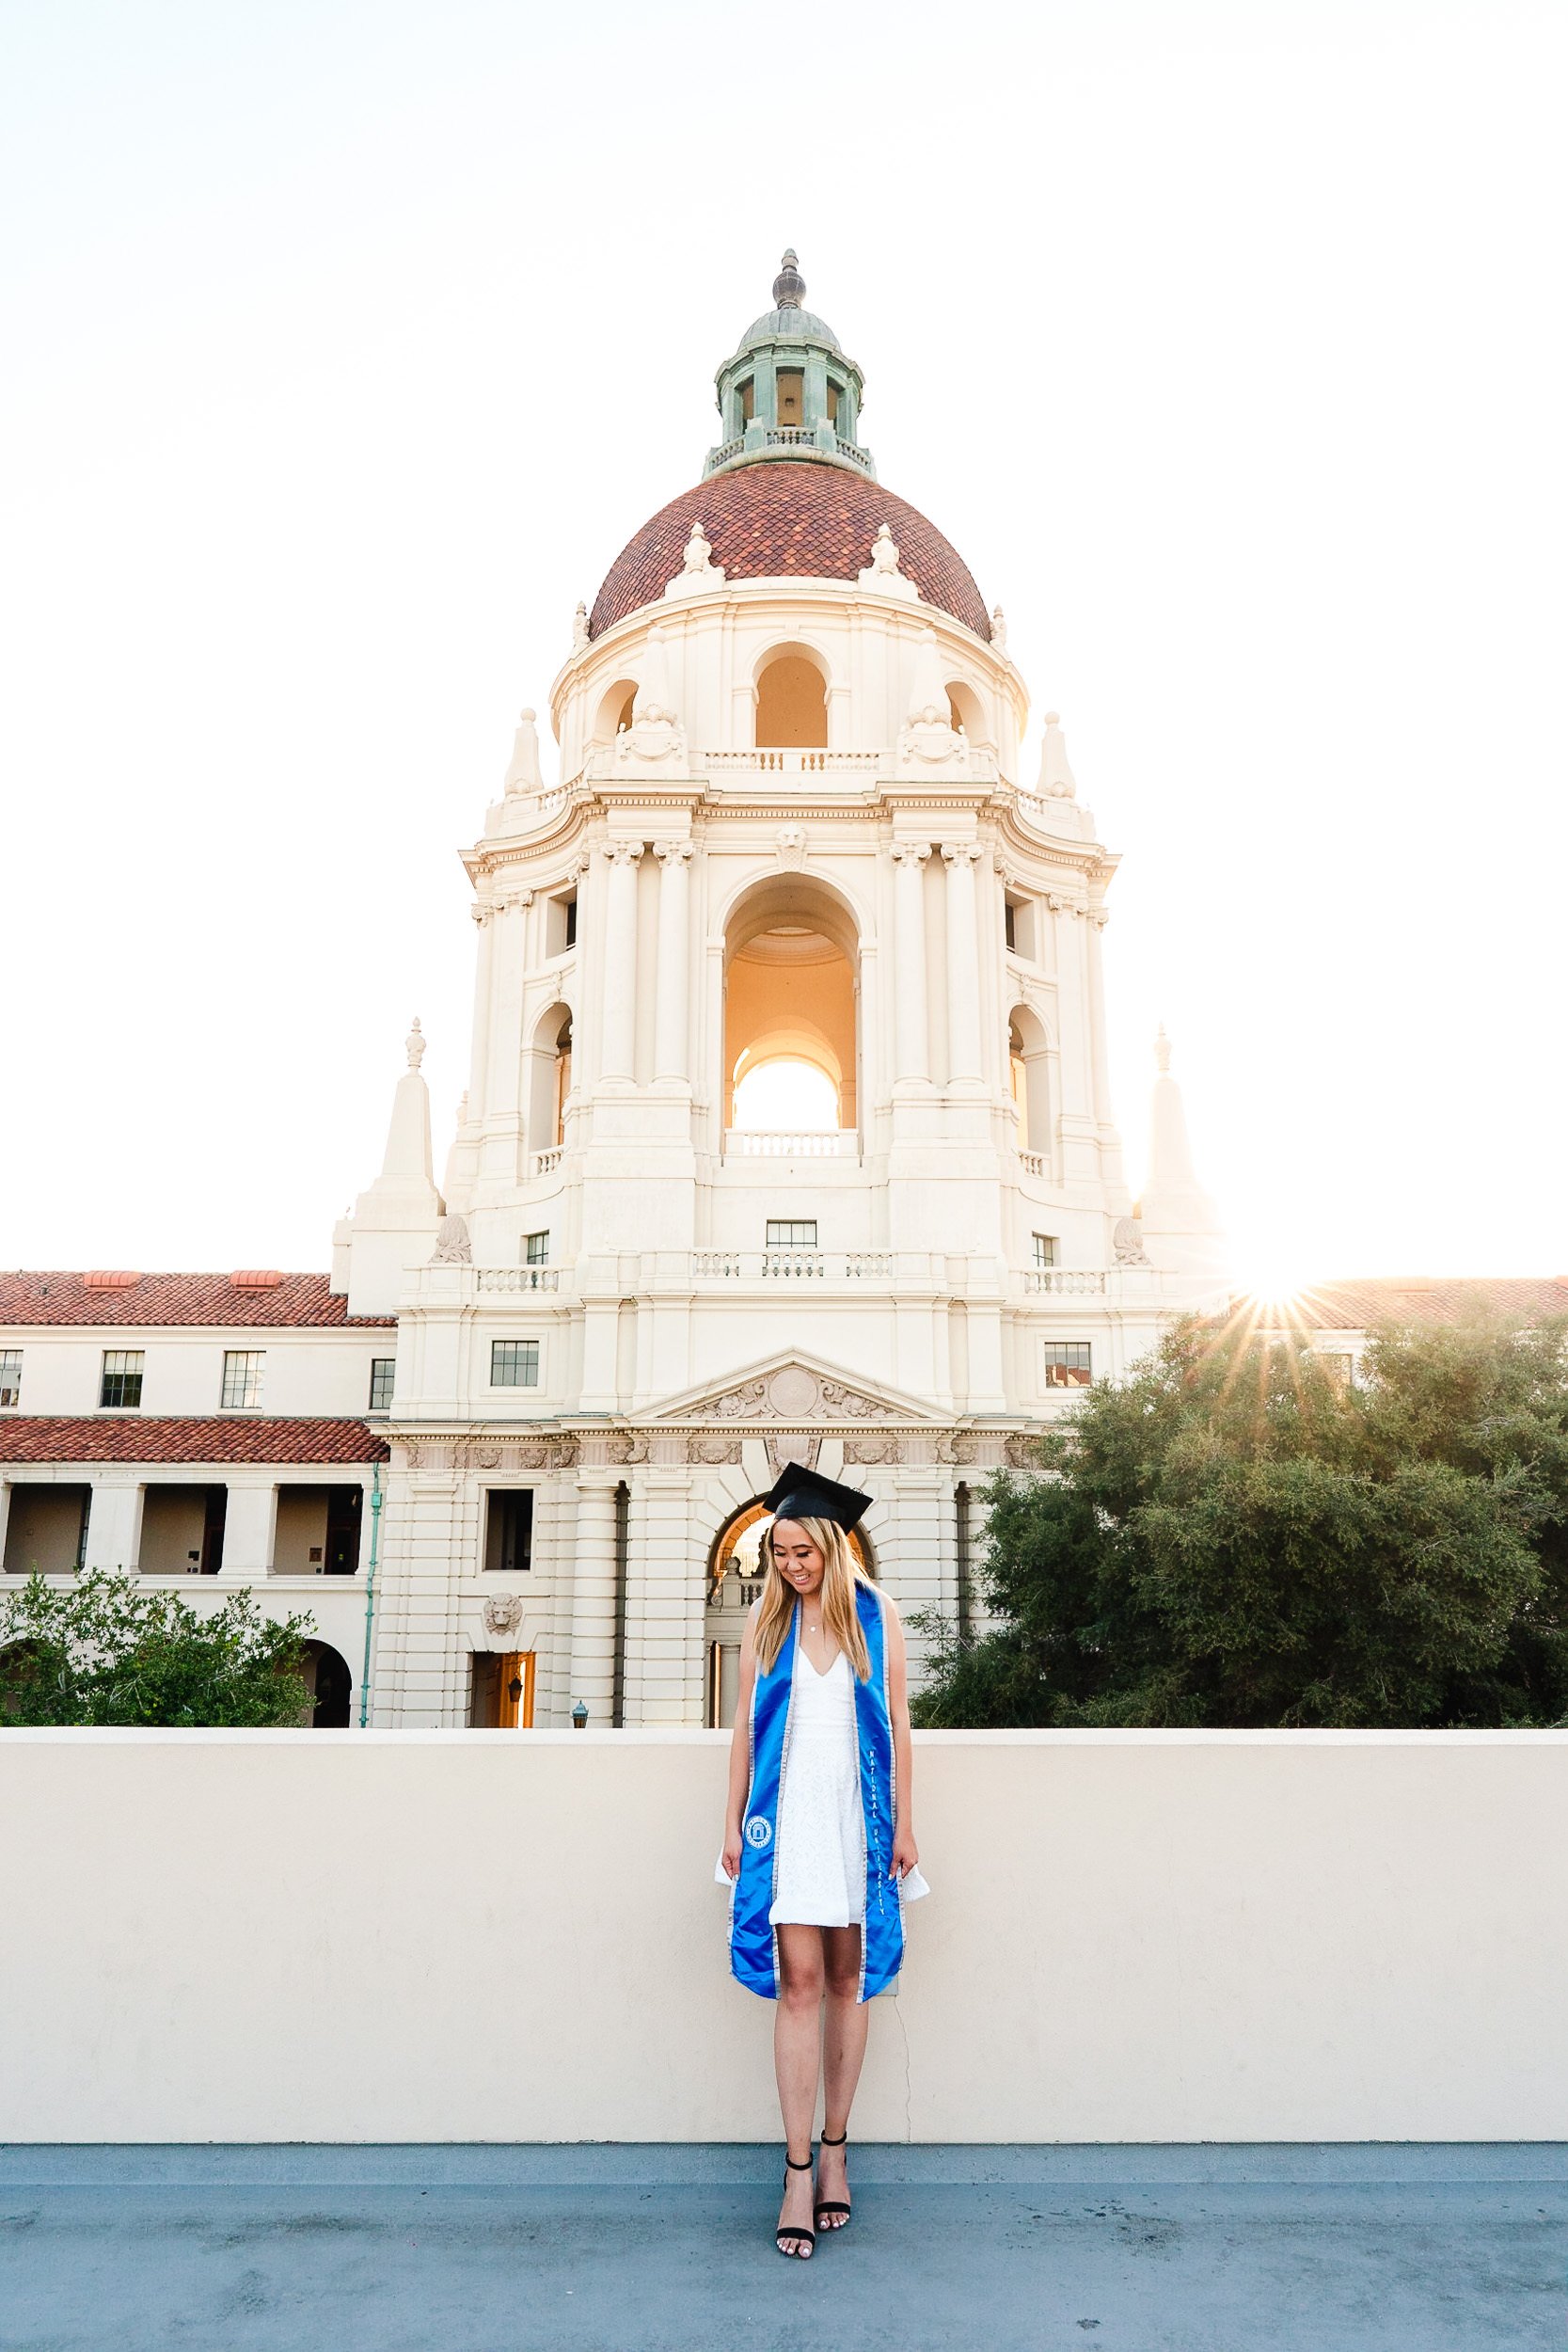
753	1943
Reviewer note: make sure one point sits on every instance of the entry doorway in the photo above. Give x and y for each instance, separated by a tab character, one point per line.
501	1691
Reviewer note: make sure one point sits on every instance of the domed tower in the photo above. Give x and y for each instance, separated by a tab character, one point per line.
788	1130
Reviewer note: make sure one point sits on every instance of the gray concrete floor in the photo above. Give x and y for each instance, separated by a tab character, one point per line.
663	2250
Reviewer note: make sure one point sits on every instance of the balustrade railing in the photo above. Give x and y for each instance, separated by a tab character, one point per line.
517	1277
1033	1164
545	1163
776	1143
791	1266
1062	1281
793	763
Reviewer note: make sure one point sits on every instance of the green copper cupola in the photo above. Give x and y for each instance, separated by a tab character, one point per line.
789	391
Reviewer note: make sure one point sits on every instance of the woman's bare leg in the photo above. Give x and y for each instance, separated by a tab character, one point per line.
843	2048
797	2058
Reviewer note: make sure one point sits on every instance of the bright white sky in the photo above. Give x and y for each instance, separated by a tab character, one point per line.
350	341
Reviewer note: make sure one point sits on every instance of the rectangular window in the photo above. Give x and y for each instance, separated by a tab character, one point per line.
509	1530
560	924
10	1376
383	1375
536	1248
1066	1364
1010	924
242	1378
791	386
1341	1370
514	1363
1045	1248
123	1377
792	1232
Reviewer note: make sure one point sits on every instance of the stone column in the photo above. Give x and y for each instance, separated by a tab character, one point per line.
592	1673
250	1530
114	1524
502	1081
909	858
1099	1056
672	1012
963	960
1071	1009
618	963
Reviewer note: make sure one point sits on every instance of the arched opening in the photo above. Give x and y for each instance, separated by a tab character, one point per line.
792	701
789	1093
1029	1072
329	1683
549	1080
966	711
734	1573
790	1020
615	709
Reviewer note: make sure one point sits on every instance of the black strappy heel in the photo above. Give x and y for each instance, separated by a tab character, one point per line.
788	2229
833	2205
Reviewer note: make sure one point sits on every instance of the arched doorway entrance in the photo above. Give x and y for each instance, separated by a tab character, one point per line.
733	1581
329	1683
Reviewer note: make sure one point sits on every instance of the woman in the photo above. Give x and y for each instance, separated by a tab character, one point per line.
819	1845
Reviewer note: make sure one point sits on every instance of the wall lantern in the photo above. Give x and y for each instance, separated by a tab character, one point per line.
579	1716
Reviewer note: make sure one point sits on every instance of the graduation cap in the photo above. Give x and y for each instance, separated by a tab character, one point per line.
804	1494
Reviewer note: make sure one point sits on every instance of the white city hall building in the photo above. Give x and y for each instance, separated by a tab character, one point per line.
788	1134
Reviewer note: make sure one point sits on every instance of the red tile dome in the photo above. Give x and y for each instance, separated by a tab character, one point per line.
794	518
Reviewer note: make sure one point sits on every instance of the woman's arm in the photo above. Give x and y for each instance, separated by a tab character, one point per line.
906	1853
740	1747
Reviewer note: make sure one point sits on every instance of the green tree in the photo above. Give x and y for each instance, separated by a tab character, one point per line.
109	1650
1233	1538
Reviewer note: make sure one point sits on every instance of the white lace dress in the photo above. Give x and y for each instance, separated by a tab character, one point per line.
821	1851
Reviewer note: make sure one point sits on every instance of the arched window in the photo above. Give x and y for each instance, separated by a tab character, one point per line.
615	710
792	702
1029	1072
547	1074
562	1079
966	711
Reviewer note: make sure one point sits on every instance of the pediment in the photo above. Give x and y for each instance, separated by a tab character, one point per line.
797	1391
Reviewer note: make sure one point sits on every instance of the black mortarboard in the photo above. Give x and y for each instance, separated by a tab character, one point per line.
804	1494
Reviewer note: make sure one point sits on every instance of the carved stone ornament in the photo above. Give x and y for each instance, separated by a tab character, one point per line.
870	1451
504	1613
784	1449
793	1394
1127	1242
579	628
1023	1452
452	1246
998	631
414	1042
789	844
697	570
717	1451
882	572
655	743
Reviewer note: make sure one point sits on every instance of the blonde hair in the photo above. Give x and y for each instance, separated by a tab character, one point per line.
841	1573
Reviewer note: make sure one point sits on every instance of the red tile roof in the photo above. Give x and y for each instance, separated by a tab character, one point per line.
116	1437
154	1298
791	518
1357	1305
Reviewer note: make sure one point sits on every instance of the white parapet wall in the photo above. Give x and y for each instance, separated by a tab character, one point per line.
509	1936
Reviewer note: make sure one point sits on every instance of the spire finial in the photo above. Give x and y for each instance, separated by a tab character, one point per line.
789	286
415	1044
1162	1052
